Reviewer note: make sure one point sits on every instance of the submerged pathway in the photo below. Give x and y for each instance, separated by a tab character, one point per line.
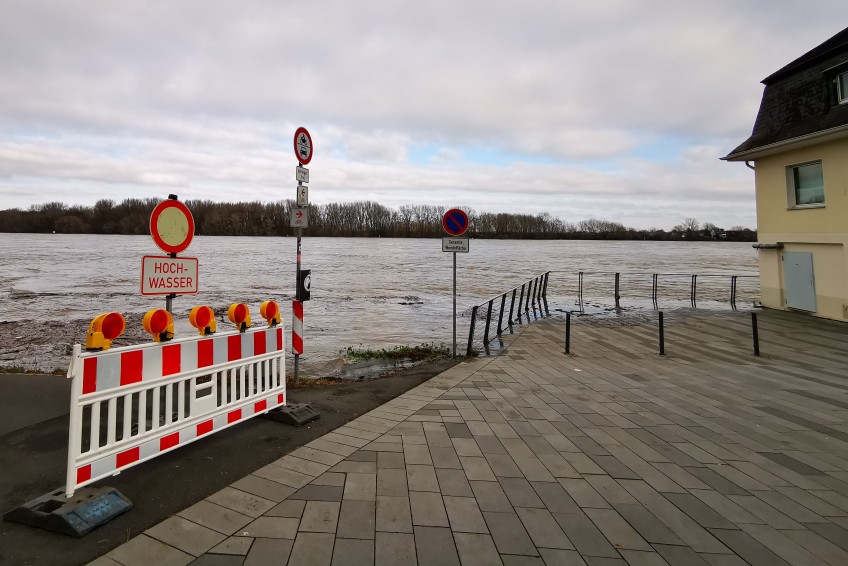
613	455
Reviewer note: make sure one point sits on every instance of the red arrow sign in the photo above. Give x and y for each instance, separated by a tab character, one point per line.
299	213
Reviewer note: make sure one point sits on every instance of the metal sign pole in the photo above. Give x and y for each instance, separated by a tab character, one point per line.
454	304
297	298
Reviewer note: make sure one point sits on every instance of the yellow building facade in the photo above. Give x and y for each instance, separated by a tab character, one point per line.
799	151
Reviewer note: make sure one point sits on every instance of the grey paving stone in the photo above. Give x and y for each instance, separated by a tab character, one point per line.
723	560
219	560
390	460
819	546
784	547
272	527
543	529
320	517
610	490
512	560
266	551
477	468
242	502
215	517
680	555
353	552
464	515
314	492
334	479
585	536
509	534
356	519
362	456
234	545
143	550
393	514
490	445
466	447
700	511
615	468
303	466
491	497
749	549
652	529
417	454
104	561
453	482
520	492
582	492
290	508
421	478
284	476
476	549
716	481
640	558
312	549
617	530
394	549
428	509
360	486
457	430
435	546
834	533
503	466
265	489
391	481
554	497
444	457
185	535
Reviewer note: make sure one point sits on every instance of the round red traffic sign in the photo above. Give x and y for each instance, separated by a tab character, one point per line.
303	146
172	226
455	222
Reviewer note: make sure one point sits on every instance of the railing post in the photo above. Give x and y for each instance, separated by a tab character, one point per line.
617	296
471	331
488	322
520	302
511	305
694	289
568	332
527	300
733	291
662	335
756	334
500	316
545	292
580	289
654	287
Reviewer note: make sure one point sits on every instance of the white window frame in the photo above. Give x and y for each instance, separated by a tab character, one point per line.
791	189
842	93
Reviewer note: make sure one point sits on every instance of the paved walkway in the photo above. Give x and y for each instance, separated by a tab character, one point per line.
613	455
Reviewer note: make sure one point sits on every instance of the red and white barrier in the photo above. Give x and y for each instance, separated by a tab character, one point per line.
133	403
297	327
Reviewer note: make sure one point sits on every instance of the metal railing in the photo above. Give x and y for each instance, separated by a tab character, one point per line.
536	296
713	285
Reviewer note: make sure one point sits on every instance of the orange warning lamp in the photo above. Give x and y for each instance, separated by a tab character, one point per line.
270	312
239	314
103	329
160	324
203	319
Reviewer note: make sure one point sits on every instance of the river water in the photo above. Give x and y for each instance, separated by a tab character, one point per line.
371	292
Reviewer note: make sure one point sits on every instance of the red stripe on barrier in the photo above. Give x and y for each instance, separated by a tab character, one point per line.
204	427
126	457
131	364
279	339
171	359
84	473
89	375
297	308
233	348
297	343
259	344
204	353
234	416
260	406
281	398
169	441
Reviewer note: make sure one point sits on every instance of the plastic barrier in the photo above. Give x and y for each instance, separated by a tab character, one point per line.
131	404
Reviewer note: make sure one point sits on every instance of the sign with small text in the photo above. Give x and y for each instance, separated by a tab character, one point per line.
457	245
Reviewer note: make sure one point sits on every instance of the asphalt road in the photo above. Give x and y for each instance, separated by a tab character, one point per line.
33	451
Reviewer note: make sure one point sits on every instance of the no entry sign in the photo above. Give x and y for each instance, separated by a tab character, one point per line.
172	226
455	222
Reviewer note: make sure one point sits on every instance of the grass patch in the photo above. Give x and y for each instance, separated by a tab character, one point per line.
25	371
429	351
307	382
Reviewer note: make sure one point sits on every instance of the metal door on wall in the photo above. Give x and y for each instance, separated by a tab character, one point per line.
799	281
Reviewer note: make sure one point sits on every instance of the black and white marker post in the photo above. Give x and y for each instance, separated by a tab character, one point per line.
455	223
299	221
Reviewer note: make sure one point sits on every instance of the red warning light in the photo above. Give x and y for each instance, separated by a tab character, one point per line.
203	318
103	329
270	311
159	323
239	314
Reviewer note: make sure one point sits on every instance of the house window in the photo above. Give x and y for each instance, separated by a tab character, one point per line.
842	88
805	184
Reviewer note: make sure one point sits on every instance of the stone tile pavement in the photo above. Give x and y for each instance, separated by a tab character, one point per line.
611	455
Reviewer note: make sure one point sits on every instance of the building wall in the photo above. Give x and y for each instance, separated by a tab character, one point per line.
820	231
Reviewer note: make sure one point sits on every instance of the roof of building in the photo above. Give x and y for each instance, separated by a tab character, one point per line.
799	99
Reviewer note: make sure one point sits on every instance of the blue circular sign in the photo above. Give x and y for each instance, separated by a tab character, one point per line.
455	222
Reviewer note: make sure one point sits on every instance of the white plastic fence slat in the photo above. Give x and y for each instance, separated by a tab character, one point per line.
242	378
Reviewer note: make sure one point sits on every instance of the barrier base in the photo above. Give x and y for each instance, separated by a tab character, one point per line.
75	516
296	414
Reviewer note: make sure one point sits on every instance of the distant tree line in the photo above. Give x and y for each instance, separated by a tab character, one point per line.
353	219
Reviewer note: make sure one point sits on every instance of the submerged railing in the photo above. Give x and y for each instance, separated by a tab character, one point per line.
713	285
536	297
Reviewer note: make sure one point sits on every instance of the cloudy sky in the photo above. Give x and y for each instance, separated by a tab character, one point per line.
610	109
